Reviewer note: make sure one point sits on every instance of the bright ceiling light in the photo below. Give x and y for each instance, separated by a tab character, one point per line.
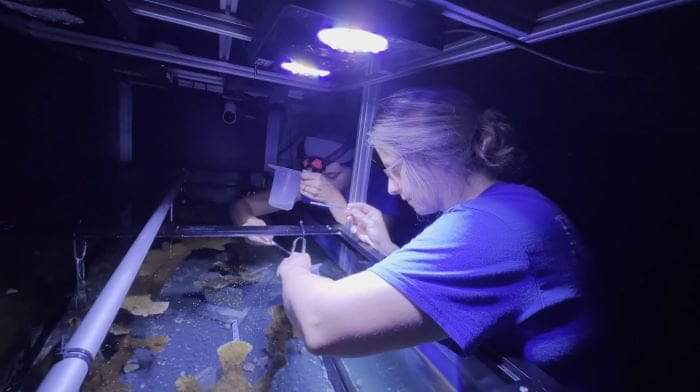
303	69
353	40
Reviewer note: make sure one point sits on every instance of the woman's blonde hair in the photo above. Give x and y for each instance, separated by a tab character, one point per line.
442	128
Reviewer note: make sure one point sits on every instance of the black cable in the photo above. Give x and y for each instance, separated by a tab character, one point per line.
291	144
528	48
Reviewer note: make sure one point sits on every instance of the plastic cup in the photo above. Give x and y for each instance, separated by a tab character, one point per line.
285	187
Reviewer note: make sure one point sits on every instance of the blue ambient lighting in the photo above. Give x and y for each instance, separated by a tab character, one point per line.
303	69
353	40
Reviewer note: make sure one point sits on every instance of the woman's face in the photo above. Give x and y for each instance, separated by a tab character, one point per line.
338	175
422	203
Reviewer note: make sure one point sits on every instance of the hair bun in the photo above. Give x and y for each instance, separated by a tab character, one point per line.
493	145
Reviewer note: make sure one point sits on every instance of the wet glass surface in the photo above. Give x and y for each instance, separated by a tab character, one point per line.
205	314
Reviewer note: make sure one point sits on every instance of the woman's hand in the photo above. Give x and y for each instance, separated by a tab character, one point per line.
265	240
318	187
368	224
295	261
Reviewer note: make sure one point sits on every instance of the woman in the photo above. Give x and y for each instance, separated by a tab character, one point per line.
326	171
502	262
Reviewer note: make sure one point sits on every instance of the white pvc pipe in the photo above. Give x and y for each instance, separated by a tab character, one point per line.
69	373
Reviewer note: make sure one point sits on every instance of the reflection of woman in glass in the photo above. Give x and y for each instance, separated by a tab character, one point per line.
326	173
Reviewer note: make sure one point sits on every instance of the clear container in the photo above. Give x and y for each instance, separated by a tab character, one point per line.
285	187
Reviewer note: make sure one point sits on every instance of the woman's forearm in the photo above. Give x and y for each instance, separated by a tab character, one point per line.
387	248
302	294
251	206
338	213
240	212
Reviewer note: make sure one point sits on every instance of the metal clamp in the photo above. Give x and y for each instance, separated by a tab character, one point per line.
301	240
79	257
79	252
79	353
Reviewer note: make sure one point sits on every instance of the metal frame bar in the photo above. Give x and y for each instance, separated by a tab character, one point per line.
562	21
178	73
477	19
184	15
212	26
363	155
362	162
217	231
335	374
69	373
228	7
604	14
224	47
372	255
244	231
568	9
185	231
204	13
40	31
275	118
196	80
567	24
126	103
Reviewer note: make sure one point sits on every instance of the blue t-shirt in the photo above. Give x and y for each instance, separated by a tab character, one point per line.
503	267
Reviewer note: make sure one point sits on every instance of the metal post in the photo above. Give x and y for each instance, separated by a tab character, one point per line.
362	163
69	373
272	138
229	7
126	147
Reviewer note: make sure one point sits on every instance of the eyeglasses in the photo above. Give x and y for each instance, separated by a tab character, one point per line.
390	170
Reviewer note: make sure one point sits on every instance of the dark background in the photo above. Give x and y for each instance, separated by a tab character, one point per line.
617	153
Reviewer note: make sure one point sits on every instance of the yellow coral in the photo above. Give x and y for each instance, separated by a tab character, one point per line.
142	305
118	329
232	354
186	383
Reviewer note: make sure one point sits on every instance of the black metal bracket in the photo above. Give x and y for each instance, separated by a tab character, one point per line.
181	231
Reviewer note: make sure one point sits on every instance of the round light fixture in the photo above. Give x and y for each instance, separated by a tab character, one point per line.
353	40
303	69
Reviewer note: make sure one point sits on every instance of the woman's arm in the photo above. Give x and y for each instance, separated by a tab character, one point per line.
245	212
357	315
317	187
369	225
250	207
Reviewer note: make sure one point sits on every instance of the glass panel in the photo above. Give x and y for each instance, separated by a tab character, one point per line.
205	314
